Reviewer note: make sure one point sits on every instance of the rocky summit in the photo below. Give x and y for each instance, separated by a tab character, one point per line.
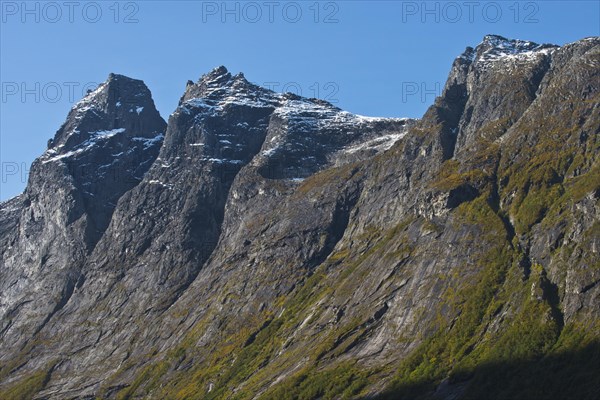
268	246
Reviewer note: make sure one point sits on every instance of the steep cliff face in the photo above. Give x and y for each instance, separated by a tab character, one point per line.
278	247
108	142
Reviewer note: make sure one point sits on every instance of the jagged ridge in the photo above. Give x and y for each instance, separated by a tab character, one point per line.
264	258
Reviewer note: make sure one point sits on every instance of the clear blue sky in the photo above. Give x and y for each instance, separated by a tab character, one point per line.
361	53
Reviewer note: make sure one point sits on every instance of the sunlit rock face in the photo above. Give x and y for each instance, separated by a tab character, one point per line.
265	245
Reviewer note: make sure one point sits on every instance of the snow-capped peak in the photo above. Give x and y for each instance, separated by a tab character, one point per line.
494	48
216	74
500	46
117	107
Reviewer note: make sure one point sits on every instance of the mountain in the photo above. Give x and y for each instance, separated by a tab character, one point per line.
265	245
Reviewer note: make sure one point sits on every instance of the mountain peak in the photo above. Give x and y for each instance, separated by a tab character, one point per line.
494	38
218	75
120	104
219	83
220	70
509	45
495	47
114	77
116	91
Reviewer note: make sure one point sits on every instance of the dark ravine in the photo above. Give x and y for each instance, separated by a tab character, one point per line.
267	246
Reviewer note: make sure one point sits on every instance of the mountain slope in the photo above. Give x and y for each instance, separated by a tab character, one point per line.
108	142
278	247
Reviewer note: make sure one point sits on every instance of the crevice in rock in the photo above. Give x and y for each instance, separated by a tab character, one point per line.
525	263
495	204
452	110
201	241
253	336
461	194
552	296
66	295
367	327
538	76
590	286
338	226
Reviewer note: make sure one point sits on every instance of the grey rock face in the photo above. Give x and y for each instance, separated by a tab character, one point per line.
136	257
104	148
270	237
